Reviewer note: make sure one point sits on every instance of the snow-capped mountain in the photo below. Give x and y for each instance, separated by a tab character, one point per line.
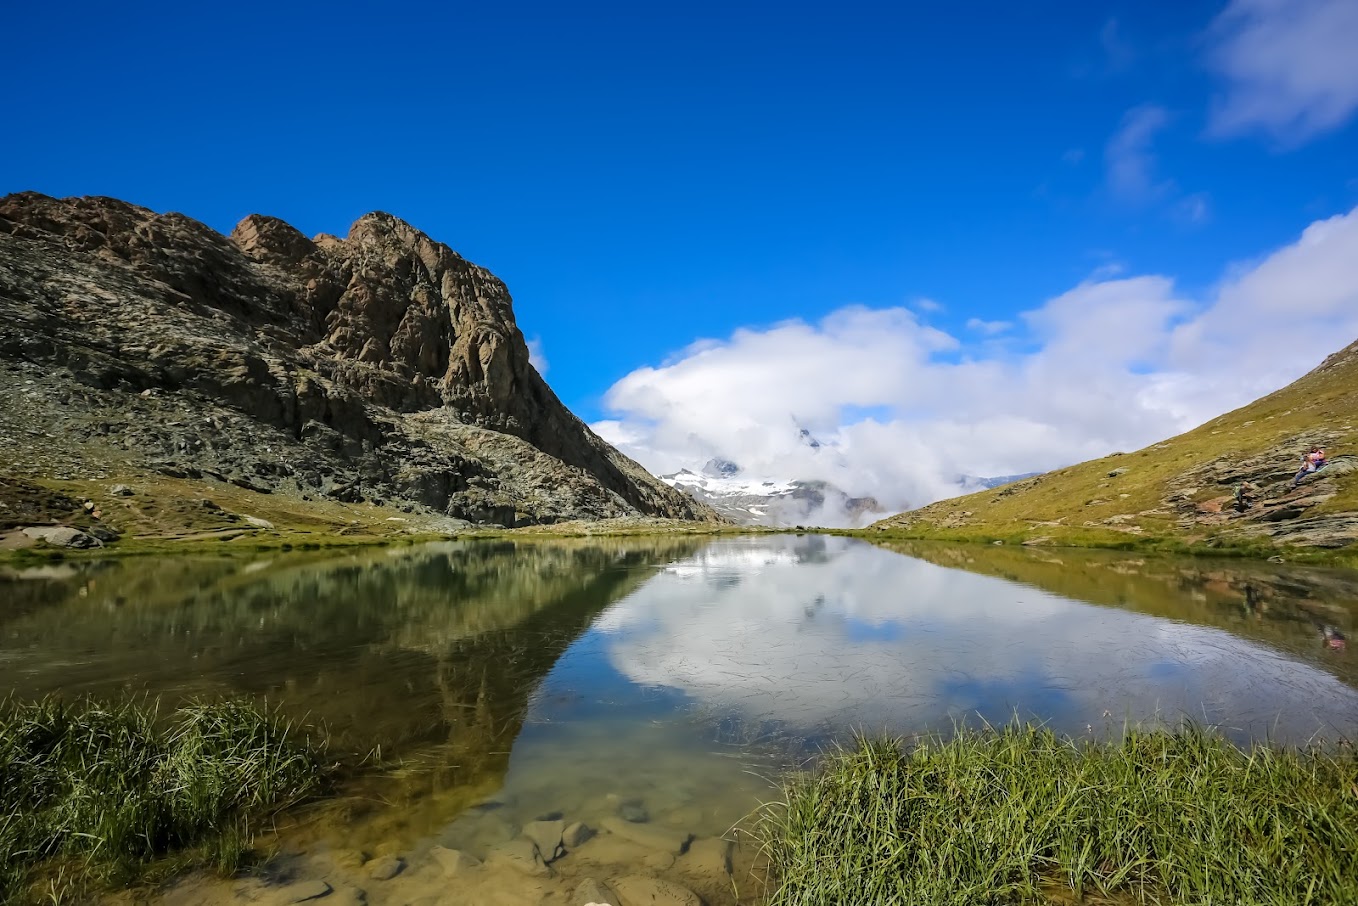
772	502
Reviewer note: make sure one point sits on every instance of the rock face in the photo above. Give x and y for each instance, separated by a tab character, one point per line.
377	366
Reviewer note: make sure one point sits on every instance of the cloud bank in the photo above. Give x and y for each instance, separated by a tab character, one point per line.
901	409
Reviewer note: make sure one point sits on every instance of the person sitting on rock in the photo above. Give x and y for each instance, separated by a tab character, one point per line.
1313	461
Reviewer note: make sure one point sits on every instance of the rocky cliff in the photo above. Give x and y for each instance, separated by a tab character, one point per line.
380	366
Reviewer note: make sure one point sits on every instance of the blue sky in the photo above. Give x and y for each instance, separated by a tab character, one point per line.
645	176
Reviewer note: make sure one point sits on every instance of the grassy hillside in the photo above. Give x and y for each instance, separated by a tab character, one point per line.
1180	492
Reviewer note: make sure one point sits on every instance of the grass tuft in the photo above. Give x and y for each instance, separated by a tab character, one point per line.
91	794
1019	815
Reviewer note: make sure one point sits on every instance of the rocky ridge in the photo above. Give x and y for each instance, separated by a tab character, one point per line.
378	367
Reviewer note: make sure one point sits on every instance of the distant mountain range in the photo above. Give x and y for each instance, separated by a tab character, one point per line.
755	501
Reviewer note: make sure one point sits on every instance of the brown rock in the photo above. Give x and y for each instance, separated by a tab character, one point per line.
377	366
636	890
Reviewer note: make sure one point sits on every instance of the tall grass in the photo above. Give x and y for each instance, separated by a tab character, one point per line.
90	794
1020	815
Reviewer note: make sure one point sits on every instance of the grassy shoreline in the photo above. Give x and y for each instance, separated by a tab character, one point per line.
1021	815
1167	545
96	796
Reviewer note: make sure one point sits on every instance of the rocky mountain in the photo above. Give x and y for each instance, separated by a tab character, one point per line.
1228	482
747	501
378	367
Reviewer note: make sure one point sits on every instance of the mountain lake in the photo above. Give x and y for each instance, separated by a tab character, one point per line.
655	688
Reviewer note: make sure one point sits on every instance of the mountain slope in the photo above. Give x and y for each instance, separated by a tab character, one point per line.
378	367
1184	488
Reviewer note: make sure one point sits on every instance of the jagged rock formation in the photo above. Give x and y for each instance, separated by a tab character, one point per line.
379	366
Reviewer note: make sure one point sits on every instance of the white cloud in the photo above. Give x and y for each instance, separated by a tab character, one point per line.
1130	158
902	409
1119	54
847	635
928	305
1289	66
1193	210
536	356
989	328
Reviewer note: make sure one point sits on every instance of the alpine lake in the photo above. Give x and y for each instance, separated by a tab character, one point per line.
655	689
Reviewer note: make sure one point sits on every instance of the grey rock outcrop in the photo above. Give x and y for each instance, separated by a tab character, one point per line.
380	366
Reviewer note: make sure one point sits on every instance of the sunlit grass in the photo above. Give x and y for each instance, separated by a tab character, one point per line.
92	794
1021	815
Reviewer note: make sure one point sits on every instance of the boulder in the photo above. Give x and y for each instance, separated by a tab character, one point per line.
590	892
62	536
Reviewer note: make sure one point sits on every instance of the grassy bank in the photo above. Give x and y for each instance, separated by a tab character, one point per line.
92	796
1248	549
1022	816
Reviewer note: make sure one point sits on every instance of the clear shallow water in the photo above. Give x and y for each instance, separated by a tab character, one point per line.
675	676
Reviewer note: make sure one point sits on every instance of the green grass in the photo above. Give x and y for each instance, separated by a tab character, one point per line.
94	795
1021	815
1161	483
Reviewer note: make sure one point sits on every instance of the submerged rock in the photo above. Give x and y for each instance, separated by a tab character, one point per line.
384	868
454	861
590	892
547	835
649	835
300	892
636	890
575	834
707	857
522	855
